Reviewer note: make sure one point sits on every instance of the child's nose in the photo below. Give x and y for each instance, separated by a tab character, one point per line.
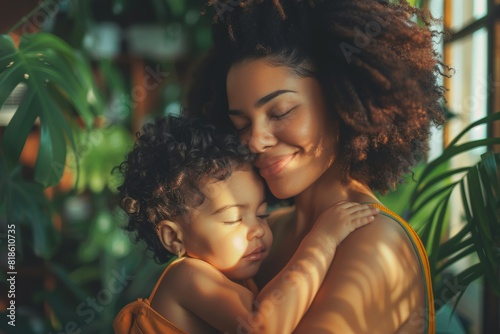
256	230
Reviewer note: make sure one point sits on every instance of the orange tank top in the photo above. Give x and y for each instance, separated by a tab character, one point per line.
140	318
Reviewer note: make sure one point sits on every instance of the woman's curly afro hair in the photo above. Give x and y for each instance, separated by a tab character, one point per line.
375	61
166	169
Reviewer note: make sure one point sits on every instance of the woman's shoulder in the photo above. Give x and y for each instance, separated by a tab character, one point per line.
385	230
376	260
386	246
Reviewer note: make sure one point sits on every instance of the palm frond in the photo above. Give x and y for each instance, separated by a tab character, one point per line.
479	188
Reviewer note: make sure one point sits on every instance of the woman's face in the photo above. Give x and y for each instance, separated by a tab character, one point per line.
283	118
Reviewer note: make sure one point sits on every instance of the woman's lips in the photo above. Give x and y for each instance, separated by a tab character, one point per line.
273	166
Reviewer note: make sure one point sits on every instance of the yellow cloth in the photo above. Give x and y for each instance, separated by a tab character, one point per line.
140	318
424	263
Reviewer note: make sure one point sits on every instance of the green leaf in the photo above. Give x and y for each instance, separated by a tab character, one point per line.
482	234
52	71
65	277
464	251
435	237
24	203
441	192
479	189
433	182
455	243
453	149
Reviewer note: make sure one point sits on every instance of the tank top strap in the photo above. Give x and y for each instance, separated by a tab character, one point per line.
158	282
424	263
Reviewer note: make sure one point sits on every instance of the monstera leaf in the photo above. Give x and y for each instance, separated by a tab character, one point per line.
479	188
58	81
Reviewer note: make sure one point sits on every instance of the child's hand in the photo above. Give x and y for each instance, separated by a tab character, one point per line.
339	220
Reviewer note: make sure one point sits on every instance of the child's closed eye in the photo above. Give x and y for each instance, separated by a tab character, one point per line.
263	216
233	222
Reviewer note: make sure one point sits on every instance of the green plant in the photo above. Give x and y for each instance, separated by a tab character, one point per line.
79	258
56	78
479	189
58	82
70	244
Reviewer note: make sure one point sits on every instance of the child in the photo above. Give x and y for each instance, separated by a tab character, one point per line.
190	191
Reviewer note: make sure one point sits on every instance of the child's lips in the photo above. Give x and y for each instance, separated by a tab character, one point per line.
256	254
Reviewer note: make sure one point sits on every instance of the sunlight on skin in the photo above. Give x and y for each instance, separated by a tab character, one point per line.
397	284
237	237
358	284
360	295
306	127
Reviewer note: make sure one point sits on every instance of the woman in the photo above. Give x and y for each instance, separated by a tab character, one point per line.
336	99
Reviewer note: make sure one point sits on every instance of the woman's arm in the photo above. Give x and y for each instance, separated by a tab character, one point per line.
281	304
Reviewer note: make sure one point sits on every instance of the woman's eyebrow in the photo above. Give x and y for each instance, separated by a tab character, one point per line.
269	97
263	100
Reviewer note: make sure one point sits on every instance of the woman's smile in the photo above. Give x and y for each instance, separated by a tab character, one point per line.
283	119
271	166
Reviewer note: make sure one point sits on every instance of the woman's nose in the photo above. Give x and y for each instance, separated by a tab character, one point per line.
261	138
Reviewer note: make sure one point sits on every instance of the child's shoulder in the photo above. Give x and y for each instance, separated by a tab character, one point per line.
182	279
186	271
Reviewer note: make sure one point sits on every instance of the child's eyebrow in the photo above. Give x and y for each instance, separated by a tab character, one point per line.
225	207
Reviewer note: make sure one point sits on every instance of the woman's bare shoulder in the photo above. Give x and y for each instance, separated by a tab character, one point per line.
383	237
376	275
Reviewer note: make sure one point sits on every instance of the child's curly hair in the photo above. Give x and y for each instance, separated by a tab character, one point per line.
374	59
163	173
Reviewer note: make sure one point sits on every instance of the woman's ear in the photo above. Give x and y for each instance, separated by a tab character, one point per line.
170	234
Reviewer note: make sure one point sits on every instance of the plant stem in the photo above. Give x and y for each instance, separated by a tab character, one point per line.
30	14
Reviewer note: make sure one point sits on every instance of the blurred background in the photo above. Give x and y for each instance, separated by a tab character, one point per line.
79	78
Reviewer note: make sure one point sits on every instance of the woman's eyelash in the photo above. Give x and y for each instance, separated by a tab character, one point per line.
283	114
264	216
243	129
277	116
280	116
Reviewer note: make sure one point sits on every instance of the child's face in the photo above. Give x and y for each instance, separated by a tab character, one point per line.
229	230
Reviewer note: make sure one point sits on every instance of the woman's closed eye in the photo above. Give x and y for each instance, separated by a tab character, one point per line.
241	130
282	114
240	125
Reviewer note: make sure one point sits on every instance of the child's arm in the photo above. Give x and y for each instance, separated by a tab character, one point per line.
281	304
